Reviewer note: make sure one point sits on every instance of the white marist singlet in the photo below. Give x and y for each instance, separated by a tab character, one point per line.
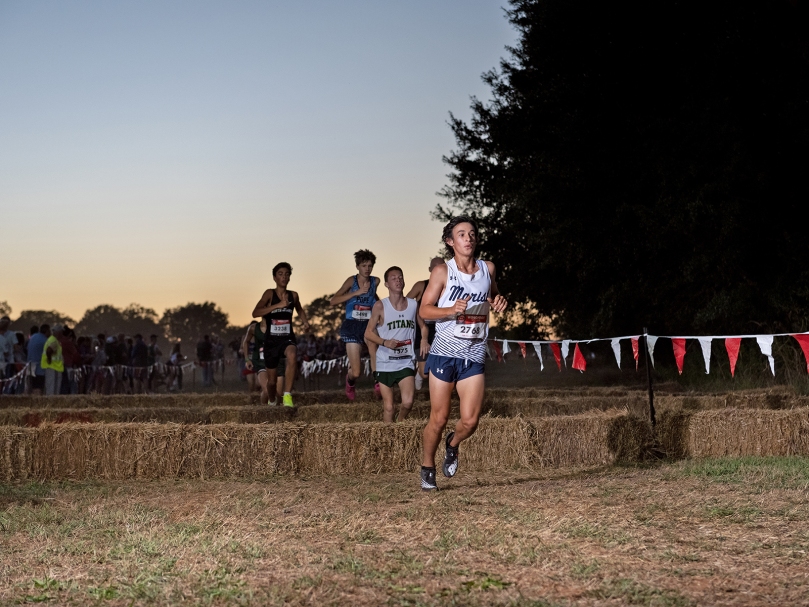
464	336
401	326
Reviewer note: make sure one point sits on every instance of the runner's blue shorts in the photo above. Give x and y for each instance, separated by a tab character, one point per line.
449	369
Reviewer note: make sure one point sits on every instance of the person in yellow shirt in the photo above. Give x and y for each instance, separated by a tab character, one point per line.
52	361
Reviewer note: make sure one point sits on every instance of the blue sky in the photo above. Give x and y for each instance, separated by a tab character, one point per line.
167	152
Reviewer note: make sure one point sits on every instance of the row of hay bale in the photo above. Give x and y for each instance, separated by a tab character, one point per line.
497	404
125	451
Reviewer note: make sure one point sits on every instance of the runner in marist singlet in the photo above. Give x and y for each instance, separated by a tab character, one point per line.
465	290
464	336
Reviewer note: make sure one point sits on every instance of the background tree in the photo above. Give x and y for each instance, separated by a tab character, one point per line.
191	321
644	164
111	320
323	318
5	309
29	318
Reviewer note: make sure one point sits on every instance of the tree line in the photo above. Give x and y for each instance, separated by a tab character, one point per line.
643	164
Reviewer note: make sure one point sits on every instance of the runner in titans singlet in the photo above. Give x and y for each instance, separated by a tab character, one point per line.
417	293
276	307
358	293
465	290
393	327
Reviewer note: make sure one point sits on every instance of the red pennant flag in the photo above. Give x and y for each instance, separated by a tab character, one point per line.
803	340
498	350
635	350
522	347
732	346
578	360
557	354
679	351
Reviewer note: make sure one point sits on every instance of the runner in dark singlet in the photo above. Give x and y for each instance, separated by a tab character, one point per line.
276	307
254	359
417	292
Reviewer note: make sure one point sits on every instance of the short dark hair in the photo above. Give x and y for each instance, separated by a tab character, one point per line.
44	327
153	337
138	336
447	233
278	266
364	255
34	329
392	269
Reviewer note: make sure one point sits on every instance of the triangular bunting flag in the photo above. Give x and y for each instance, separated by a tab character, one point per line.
557	354
705	342
522	347
765	343
565	350
732	346
651	340
616	347
678	343
538	347
578	360
498	350
506	349
803	340
635	350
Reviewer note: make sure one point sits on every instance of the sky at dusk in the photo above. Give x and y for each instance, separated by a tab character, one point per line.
169	152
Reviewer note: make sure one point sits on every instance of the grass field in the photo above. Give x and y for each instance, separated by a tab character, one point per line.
709	532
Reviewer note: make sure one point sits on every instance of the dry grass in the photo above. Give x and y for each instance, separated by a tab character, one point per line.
726	532
121	451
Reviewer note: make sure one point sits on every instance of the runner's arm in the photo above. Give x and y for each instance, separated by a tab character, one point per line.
371	333
497	302
343	294
301	311
425	335
428	310
263	307
247	339
416	290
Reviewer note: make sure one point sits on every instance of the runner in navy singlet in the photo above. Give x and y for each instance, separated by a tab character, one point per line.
359	294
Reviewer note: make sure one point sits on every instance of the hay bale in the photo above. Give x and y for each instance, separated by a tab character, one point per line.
746	432
33	418
122	451
671	432
590	439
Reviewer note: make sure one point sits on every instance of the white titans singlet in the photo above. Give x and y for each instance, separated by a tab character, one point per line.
401	326
464	336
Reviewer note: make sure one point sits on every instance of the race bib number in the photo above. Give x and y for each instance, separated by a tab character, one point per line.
403	352
470	326
280	327
261	353
361	313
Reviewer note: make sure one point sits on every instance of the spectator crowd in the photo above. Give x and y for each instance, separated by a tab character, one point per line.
57	361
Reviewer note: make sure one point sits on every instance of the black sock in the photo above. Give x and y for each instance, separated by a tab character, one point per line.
428	468
351	381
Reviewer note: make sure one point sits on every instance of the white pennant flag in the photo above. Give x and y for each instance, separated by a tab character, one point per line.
616	347
538	347
565	349
651	340
765	343
506	349
705	342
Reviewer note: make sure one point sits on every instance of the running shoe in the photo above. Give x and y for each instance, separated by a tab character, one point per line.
272	403
351	391
451	458
377	391
288	400
428	479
